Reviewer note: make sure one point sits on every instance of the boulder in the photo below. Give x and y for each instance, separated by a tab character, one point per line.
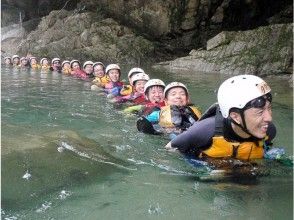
71	35
263	51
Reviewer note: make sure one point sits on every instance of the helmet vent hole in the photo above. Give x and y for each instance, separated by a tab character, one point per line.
232	81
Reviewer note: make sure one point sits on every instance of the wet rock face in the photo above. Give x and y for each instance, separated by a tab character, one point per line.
174	26
35	8
178	25
262	51
70	35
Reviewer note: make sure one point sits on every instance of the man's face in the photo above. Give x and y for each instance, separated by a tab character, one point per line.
177	96
257	119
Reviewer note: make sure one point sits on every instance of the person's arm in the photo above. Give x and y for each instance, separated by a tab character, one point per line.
198	136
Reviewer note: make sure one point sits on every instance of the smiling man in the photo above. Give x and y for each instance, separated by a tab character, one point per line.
239	126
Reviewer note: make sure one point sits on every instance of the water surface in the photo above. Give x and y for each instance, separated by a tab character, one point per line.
67	153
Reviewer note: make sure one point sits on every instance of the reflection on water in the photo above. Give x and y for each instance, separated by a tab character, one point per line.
69	154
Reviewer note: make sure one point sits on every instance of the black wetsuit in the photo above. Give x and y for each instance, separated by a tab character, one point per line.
199	136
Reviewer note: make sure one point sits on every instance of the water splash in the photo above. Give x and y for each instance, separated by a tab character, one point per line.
155	210
27	175
64	194
46	205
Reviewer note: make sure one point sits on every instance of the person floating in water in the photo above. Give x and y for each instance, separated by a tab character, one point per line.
65	65
174	118
44	62
34	63
112	89
128	89
15	61
154	98
136	97
101	79
56	65
7	61
239	126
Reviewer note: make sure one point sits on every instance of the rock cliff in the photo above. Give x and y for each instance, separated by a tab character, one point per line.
154	30
263	51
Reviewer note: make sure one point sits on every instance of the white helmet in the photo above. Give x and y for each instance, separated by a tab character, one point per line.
237	91
112	67
139	76
31	58
42	60
99	63
153	82
15	56
7	58
64	62
173	85
23	58
87	63
55	59
135	70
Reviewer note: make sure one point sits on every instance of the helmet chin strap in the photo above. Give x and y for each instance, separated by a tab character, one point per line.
244	127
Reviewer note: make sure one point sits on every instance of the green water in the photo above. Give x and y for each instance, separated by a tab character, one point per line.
87	160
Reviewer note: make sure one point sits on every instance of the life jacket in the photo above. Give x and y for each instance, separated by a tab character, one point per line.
150	107
35	66
45	67
80	74
111	85
66	71
126	90
178	117
222	148
101	81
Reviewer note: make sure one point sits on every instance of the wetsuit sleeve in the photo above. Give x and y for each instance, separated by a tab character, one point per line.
197	137
271	132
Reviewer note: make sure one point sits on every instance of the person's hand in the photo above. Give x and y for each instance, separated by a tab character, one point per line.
168	147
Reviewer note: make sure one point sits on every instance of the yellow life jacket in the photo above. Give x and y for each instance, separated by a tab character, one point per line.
35	66
101	81
166	117
222	148
45	67
126	90
66	71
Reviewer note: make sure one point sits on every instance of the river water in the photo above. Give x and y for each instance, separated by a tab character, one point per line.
67	153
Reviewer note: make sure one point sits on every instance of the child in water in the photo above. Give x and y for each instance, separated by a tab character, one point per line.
100	78
173	118
136	97
15	60
113	88
154	98
65	65
128	89
34	63
44	64
7	61
88	69
55	65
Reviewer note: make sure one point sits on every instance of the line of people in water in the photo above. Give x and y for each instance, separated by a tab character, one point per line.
238	126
